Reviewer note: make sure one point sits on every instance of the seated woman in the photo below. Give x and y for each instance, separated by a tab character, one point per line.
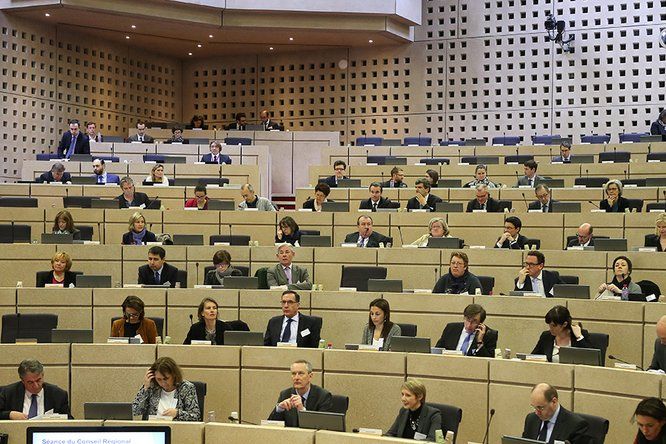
64	224
458	280
138	234
561	333
223	268
432	176
650	416
209	327
166	393
288	231
659	238
614	202
480	177
134	322
200	200
157	176
197	122
621	284
176	136
416	419
437	227
512	238
321	192
61	263
379	330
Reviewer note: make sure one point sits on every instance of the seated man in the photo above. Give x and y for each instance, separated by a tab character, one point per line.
423	200
251	200
157	271
472	337
583	237
131	198
540	281
214	156
140	135
530	178
376	200
303	395
292	326
268	123
99	167
73	142
31	396
550	422
544	201
339	167
56	174
659	356
239	124
483	201
658	127
565	153
92	133
365	236
396	181
286	273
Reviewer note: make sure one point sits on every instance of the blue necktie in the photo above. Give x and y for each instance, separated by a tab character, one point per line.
33	407
72	146
157	278
286	335
465	344
100	179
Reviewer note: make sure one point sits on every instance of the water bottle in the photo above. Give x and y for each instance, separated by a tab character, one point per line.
439	436
322	343
625	293
449	437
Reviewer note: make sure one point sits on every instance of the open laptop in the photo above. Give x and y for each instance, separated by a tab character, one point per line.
104	203
566	207
410	344
385	285
335	207
518	440
582	158
71	336
81	158
321	420
444	242
571	291
349	183
610	245
93	281
449	207
221	205
84	180
107	410
188	239
315	241
51	238
449	183
232	337
241	282
575	355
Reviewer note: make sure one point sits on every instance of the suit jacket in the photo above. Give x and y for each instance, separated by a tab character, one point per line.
560	159
622	204
545	345
198	332
548	280
330	181
82	144
236	127
568	427
169	273
658	129
271	125
110	178
659	356
221	158
275	276
274	328
653	241
525	181
70	278
139	199
309	204
384	202
135	138
451	335
374	240
518	245
388	184
536	205
413	204
147	330
319	400
12	396
48	177
149	237
576	243
492	205
430	420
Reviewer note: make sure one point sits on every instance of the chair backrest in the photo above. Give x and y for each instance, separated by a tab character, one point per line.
234	239
357	276
649	288
631	137
408	330
24	202
506	140
598	427
238	325
262	274
451	142
28	325
182	278
435	161
505	205
77	201
15	233
310	232
600	341
237	141
655	206
201	388
340	404
544	140
535	244
419	140
159	323
487	284
518	158
661	157
615	156
591	182
86	232
363	141
451	417
595	138
569	279
635	204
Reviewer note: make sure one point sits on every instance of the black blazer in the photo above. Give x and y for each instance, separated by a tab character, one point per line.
549	279
451	335
384	202
70	278
139	199
330	181
652	240
274	327
568	427
319	400
387	184
82	144
519	245
169	273
659	356
12	396
48	177
272	125
575	243
373	242
198	332
622	204
413	204
236	126
536	205
492	205
135	138
430	420
545	345
149	237
657	129
221	158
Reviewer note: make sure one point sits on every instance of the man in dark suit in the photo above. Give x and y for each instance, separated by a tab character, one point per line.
583	237
131	198
102	177
214	156
73	141
483	201
530	177
550	421
472	336
140	135
239	124
423	199
55	174
659	356
340	167
157	271
31	396
658	127
303	395
533	278
376	200
565	153
292	326
396	181
544	202
268	123
365	236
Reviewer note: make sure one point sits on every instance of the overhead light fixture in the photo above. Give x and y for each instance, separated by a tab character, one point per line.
127	37
199	45
371	41
210	36
291	39
133	26
189	53
271	48
47	14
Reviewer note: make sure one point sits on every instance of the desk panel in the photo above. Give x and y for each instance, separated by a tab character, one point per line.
17	430
216	433
33	258
343	313
328	437
54	357
183	303
72	305
181	431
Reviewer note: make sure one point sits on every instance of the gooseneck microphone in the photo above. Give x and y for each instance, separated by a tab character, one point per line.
527	206
593	204
18	326
150	204
191	319
230	237
490	419
196	264
240	421
400	232
615	358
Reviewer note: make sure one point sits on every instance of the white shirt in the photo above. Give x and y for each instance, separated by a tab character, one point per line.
27	400
168	401
540	290
551	423
293	328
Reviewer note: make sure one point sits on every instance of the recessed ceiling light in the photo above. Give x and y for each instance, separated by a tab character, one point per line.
47	15
127	37
371	41
210	36
133	26
189	53
199	45
291	39
271	48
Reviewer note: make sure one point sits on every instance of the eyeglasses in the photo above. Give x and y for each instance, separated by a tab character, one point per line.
538	408
339	169
132	315
287	302
530	264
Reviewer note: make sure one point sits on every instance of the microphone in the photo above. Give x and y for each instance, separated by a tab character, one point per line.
191	319
490	419
242	421
436	274
615	358
587	173
367	153
18	326
348	154
382	173
13	233
459	155
240	146
474	152
595	205
649	148
419	138
196	264
230	234
400	231
185	194
527	206
664	193
99	231
517	152
625	174
151	203
550	153
614	154
66	191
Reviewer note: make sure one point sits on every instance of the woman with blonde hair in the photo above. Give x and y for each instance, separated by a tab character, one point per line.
437	227
658	239
415	420
157	176
61	263
138	234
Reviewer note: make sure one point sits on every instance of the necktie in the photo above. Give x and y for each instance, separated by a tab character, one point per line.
214	159
360	241
303	400
483	206
72	146
286	335
465	344
544	208
157	277
543	433
536	286
33	407
140	138
531	182
374	206
100	179
287	271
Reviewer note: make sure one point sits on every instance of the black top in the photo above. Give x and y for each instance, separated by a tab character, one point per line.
148	237
131	329
198	332
139	199
619	206
492	205
47	278
467	283
546	343
652	240
291	238
412	423
518	245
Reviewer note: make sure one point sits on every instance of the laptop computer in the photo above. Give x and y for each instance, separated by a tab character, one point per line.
241	282
84	180
449	207
309	419
188	239
610	244
385	285
104	203
551	183
566	207
575	355
349	183
410	344
444	242
649	138
71	336
582	158
571	291
107	410
335	207
81	158
51	238
221	205
518	440
243	337
315	241
93	281
449	183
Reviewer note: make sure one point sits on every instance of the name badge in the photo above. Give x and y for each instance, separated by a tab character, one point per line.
305	332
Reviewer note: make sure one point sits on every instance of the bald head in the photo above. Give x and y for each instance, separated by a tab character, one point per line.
661	330
544	401
584	233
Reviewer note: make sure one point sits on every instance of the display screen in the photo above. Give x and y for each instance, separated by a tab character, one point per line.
99	435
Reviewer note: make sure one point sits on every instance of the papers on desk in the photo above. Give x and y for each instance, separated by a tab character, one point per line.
367	431
287	344
160	418
269	423
201	342
49	416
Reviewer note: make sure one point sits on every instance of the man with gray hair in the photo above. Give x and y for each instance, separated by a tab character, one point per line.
252	201
31	396
544	202
57	173
483	201
423	200
286	273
